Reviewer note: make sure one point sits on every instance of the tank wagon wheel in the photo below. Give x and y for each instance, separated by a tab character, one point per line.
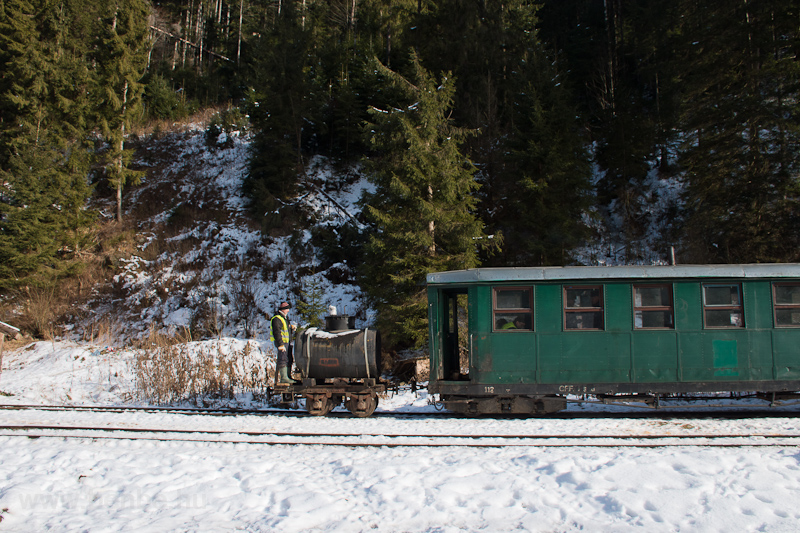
320	404
362	405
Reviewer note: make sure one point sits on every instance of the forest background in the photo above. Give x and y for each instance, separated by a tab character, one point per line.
494	133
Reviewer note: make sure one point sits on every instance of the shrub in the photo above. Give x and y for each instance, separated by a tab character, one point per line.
161	101
171	369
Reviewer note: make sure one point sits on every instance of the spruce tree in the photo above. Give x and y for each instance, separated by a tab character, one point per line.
421	213
24	87
311	305
533	168
42	209
282	109
120	57
547	180
43	157
742	145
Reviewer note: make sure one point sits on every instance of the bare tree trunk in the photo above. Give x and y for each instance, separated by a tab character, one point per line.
200	31
153	38
389	46
119	202
611	37
191	36
120	147
431	226
239	44
2	346
187	31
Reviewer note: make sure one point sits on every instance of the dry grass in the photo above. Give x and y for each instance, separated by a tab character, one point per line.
169	370
101	332
39	310
159	127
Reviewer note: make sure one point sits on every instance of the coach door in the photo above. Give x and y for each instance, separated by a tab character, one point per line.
455	335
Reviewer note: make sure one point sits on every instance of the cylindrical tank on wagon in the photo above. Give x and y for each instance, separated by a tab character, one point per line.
338	354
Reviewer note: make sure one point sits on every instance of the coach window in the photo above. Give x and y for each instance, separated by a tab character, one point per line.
513	309
786	297
652	307
722	306
583	307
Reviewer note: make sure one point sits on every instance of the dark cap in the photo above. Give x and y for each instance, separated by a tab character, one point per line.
284	305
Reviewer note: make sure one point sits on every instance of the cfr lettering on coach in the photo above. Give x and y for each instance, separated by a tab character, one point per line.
576	389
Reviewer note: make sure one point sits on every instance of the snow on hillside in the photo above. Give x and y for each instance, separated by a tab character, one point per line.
202	263
200	260
656	203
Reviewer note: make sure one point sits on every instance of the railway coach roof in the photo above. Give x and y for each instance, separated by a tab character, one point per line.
477	275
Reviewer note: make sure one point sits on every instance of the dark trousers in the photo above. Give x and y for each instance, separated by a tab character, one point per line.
286	358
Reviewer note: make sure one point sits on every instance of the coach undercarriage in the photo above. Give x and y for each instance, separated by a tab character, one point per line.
532	399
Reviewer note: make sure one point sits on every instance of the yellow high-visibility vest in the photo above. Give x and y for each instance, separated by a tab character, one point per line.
284	333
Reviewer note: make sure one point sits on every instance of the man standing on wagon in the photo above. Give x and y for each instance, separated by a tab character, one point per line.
279	333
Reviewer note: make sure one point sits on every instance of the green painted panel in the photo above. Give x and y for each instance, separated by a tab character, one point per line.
618	306
550	358
761	360
598	357
757	304
695	364
786	343
518	363
726	357
712	355
480	308
547	308
688	306
655	356
433	332
482	360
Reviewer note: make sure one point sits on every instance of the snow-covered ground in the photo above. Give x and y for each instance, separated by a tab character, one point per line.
85	484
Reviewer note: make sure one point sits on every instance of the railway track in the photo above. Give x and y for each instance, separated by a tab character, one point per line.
227	411
205	411
725	411
371	439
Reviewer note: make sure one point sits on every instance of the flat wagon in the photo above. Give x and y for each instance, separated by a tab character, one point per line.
520	340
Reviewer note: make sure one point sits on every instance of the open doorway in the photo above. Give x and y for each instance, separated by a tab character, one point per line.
455	348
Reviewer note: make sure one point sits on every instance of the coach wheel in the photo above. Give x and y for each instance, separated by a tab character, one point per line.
319	404
362	405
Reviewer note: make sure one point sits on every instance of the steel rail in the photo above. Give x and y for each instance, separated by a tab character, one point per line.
546	436
456	440
637	412
221	411
207	411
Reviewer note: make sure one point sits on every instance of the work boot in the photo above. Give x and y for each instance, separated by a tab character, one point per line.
283	376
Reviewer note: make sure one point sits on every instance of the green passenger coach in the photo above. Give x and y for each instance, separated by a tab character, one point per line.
520	340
